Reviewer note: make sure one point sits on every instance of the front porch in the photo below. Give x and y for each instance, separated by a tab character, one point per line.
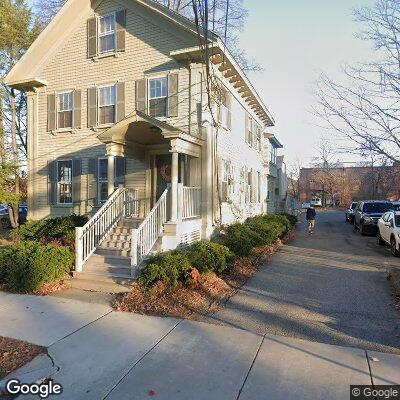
166	213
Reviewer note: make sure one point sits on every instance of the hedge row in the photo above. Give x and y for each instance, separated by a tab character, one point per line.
237	240
52	228
28	265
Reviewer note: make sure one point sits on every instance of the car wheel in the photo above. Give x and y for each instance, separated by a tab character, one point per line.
393	247
379	239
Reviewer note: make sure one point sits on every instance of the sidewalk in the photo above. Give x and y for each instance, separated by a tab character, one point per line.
102	354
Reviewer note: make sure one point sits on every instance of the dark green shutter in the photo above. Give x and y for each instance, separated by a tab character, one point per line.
92	181
120	19
120	170
92	107
76	180
92	37
52	182
120	113
77	104
141	95
173	95
51	112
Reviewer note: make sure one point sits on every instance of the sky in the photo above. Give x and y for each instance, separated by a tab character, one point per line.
295	41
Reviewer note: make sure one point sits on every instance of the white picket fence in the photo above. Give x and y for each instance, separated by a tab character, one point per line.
191	202
146	235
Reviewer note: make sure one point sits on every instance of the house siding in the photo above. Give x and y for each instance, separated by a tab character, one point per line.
146	53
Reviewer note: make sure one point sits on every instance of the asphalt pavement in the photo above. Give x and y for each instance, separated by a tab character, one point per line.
328	287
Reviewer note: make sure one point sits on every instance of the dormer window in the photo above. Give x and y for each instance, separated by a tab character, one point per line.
107	33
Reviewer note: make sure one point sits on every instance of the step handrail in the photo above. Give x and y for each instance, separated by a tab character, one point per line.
146	235
92	234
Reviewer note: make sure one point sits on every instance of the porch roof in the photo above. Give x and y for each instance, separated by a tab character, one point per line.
139	128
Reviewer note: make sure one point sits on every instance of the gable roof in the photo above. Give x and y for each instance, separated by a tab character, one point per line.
25	75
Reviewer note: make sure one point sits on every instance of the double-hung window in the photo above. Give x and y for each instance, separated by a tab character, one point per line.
64	110
64	182
102	180
107	105
107	33
158	97
273	154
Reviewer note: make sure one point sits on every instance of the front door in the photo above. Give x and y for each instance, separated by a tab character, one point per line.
163	173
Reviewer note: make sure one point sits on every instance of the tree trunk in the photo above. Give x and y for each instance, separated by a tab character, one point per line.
2	137
14	210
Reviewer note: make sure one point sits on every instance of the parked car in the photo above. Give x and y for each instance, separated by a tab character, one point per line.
316	202
5	217
305	205
396	205
350	212
389	231
368	213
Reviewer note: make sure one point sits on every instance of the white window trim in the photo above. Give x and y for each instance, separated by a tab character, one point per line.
99	35
72	183
98	105
151	78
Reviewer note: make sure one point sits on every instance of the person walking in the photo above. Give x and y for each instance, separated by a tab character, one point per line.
310	217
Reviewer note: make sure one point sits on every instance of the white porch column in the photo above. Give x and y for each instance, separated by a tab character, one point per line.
111	175
174	186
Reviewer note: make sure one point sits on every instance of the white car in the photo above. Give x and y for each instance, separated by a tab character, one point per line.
316	201
304	206
389	231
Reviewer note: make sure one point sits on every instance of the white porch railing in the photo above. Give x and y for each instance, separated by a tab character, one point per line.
146	235
90	236
135	207
191	202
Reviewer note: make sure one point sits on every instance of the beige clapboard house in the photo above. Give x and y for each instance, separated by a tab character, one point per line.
119	129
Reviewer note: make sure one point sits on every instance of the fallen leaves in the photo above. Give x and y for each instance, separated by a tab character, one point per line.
16	353
207	293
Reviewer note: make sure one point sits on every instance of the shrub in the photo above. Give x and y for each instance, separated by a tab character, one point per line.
209	256
292	218
173	265
241	238
28	265
60	227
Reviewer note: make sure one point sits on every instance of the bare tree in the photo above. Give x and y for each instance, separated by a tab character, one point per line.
218	10
365	108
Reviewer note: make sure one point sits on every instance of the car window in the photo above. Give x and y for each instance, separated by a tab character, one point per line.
385	216
397	220
353	206
377	207
396	207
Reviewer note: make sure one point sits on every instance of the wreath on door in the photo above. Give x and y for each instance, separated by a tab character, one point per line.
166	173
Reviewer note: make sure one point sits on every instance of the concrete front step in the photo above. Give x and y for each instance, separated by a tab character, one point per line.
95	285
118	244
113	251
120	237
129	222
109	277
108	269
107	260
121	231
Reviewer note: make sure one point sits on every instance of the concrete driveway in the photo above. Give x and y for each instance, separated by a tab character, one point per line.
328	287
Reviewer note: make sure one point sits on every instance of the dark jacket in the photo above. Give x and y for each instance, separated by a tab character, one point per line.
310	214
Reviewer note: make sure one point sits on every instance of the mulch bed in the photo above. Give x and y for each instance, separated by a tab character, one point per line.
206	296
16	353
